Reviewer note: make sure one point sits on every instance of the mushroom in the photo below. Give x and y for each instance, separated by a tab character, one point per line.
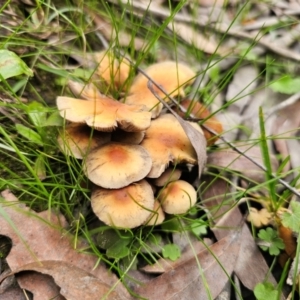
177	197
86	91
167	176
157	216
198	110
127	207
104	114
116	165
78	139
166	142
170	75
127	137
112	70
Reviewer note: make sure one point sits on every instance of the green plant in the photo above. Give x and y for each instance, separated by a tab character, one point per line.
270	241
265	291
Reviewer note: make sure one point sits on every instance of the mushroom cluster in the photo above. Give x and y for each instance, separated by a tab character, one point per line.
127	145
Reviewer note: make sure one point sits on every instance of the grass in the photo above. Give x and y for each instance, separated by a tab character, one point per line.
45	38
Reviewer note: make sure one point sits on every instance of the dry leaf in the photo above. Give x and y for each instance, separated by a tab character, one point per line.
231	160
251	267
43	239
240	89
185	282
198	141
13	293
286	125
40	285
75	283
260	217
164	265
198	40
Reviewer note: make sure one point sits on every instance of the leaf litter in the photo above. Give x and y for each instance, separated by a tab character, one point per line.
250	258
189	279
34	243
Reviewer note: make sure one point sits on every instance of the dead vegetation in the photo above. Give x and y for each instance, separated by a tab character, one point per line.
169	159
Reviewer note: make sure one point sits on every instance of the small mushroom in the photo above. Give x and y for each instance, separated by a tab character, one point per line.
116	165
112	70
104	114
157	216
78	139
127	207
167	176
196	109
170	75
177	197
166	142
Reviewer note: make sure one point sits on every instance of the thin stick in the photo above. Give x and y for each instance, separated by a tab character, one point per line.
218	28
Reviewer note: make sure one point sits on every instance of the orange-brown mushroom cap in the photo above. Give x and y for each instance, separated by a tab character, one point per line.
157	215
127	207
111	69
177	197
85	91
122	136
167	176
166	142
78	139
116	165
104	114
170	75
198	110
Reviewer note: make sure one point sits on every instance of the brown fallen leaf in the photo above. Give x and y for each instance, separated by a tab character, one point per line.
40	285
251	267
75	283
196	277
290	244
44	238
198	40
286	125
231	160
13	293
164	265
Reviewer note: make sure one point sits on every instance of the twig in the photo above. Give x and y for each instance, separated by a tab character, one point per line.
218	28
193	119
289	101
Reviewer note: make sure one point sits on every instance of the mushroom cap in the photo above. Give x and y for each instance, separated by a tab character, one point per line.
170	174
166	142
170	75
200	111
78	139
104	114
116	165
122	136
157	215
177	197
111	69
127	207
86	91
146	98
